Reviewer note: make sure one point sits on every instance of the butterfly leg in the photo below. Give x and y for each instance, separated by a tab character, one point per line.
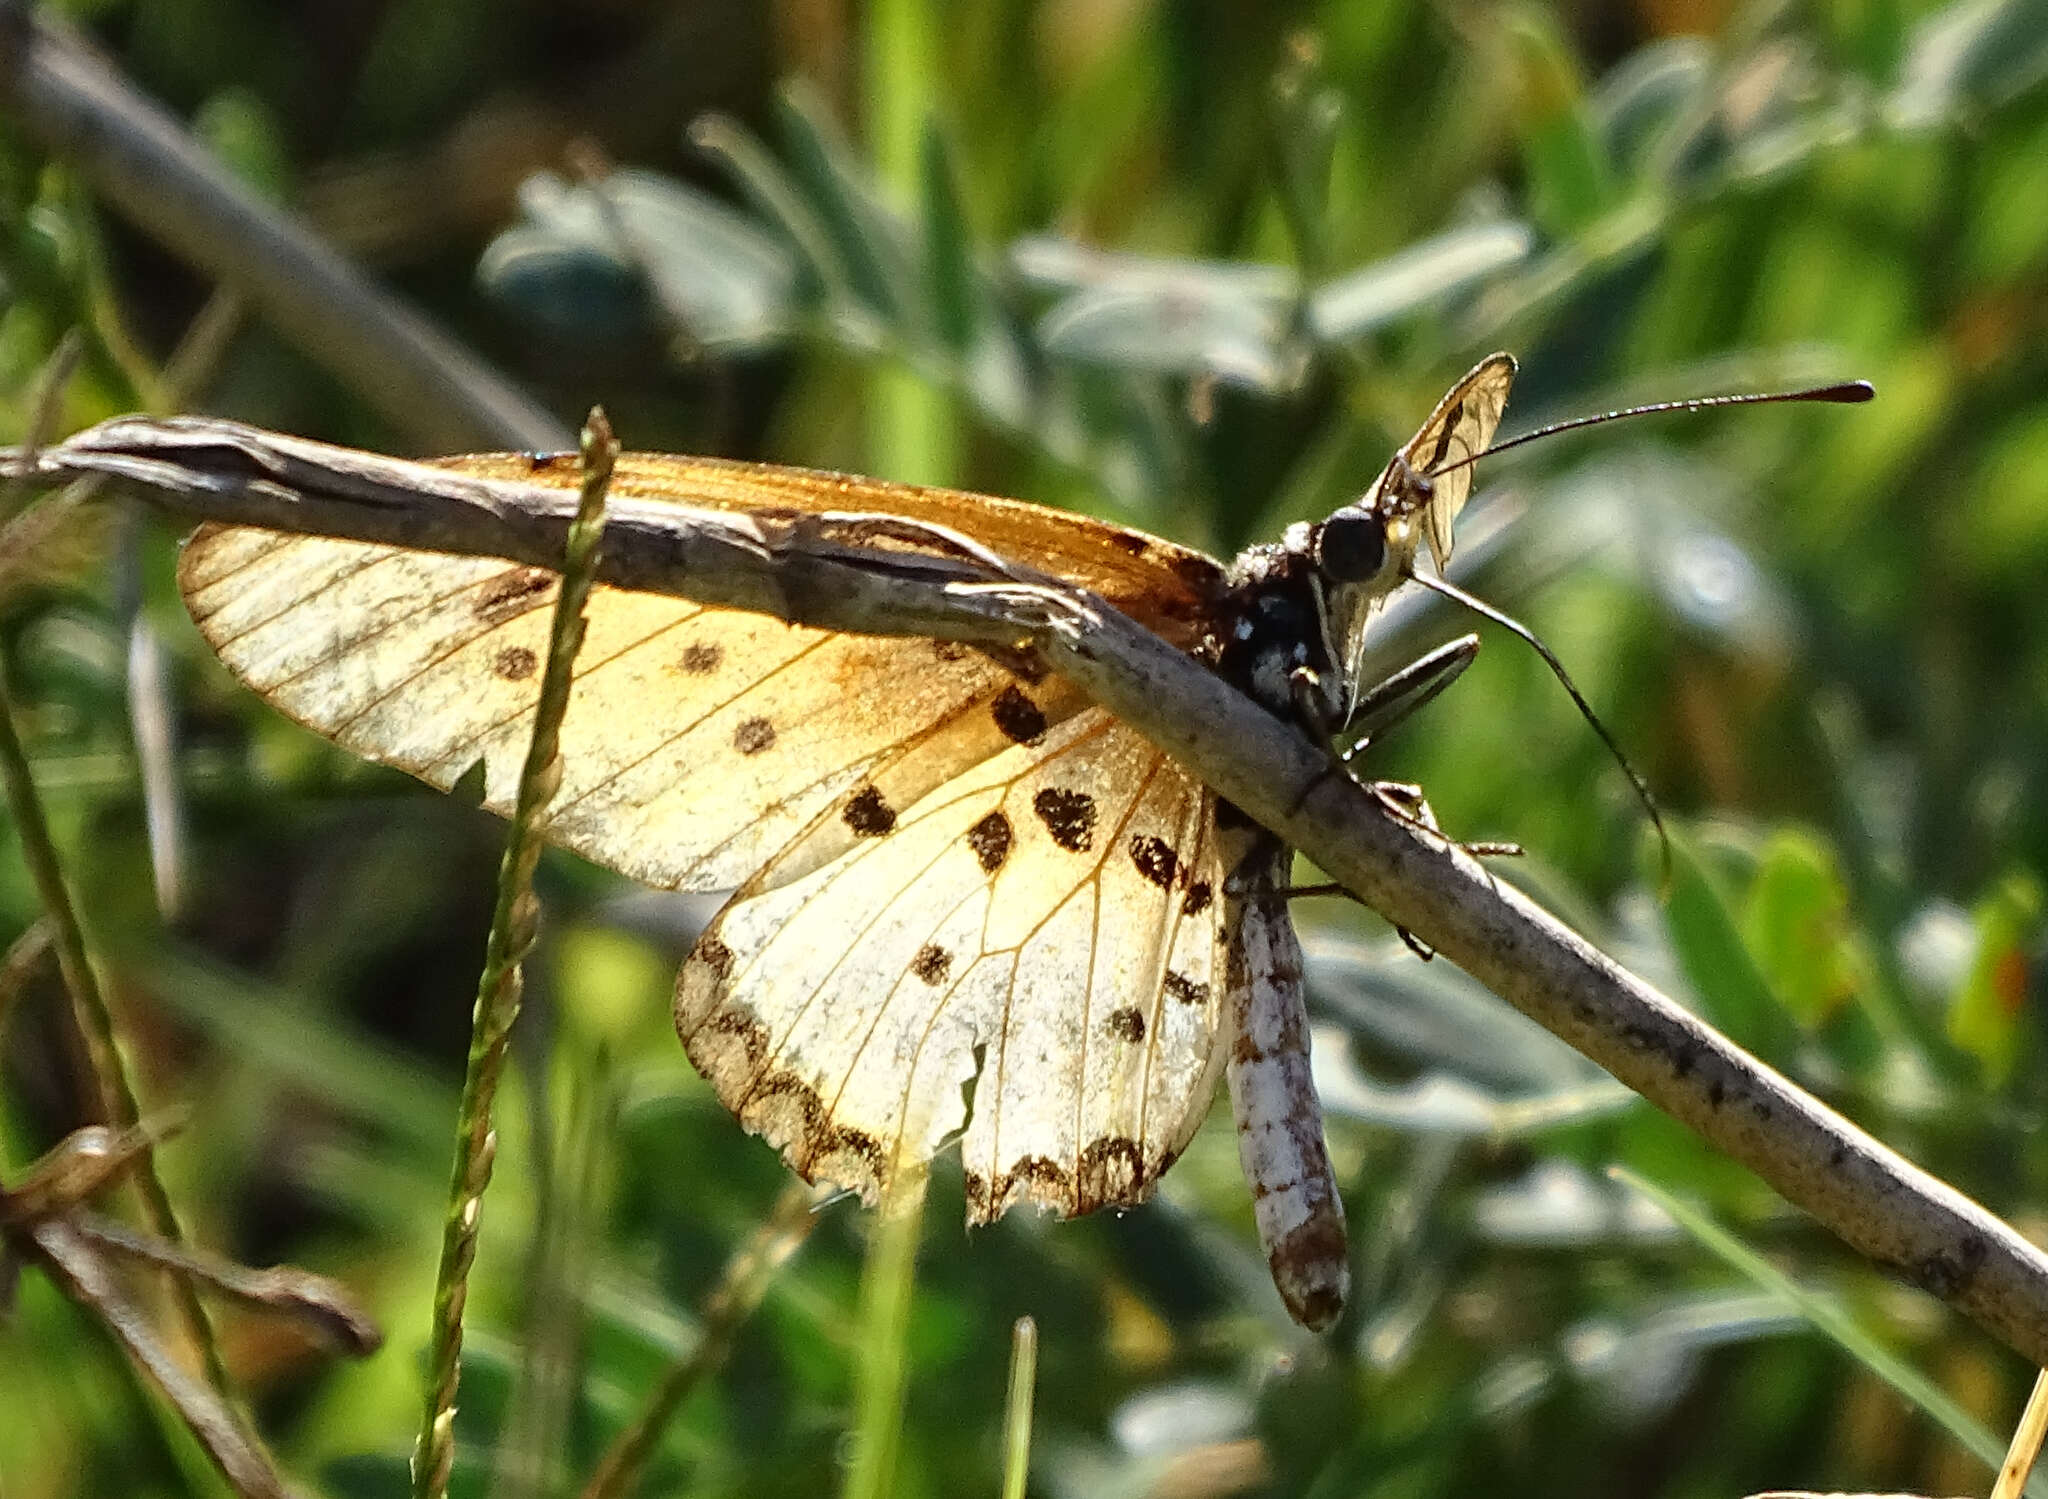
1406	691
1279	1120
1407	803
1383	706
1305	687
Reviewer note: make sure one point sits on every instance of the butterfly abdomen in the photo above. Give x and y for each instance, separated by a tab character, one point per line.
1279	1121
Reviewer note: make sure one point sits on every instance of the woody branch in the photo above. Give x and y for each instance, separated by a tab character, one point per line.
843	577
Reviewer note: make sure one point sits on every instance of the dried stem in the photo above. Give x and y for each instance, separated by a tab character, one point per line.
2026	1443
77	1266
95	1021
157	173
513	924
312	1300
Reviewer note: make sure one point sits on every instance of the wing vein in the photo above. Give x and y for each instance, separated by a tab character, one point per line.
1109	847
351	574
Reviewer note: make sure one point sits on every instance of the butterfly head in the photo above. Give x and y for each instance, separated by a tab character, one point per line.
1365	549
1368	547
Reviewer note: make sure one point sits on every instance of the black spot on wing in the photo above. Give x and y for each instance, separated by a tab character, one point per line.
1155	859
515	663
785	1105
714	955
1126	1024
932	964
1112	1170
1197	899
753	736
843	1140
1069	816
701	657
727	1043
1179	986
1043	1173
990	839
1021	720
868	814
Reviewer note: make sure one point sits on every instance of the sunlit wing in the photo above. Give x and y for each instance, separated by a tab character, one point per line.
954	871
698	741
1441	452
1040	935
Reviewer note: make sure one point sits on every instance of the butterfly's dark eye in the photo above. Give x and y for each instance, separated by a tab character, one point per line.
1351	547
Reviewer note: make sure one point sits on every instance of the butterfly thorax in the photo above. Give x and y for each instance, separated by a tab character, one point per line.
1273	624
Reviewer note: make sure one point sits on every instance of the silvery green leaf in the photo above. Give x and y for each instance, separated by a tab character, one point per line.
1187	329
725	283
1643	1365
1648	92
1052	264
1173	1418
1444	1104
1409	280
1438	1017
1557	1205
1441	1104
1972	55
566	291
872	244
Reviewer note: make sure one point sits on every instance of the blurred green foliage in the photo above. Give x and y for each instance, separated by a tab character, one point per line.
1199	267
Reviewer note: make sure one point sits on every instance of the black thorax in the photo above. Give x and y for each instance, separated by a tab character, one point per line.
1271	625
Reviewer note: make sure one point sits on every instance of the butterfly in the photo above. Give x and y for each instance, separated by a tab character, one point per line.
967	903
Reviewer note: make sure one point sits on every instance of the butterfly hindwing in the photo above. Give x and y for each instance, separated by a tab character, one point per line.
1039	936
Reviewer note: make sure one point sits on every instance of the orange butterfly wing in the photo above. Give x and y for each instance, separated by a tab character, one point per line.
1168	588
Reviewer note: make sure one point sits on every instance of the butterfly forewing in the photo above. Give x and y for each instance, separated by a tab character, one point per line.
697	739
697	742
1441	452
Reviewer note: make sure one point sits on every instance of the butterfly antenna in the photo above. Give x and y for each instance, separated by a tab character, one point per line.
1485	610
1847	393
